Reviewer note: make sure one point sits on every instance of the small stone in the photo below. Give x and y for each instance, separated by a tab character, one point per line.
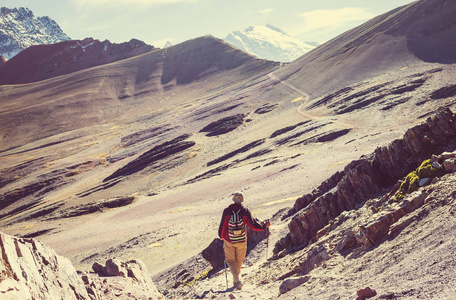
366	293
436	165
291	283
425	181
85	279
232	296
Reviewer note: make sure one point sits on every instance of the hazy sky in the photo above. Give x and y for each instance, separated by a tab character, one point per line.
158	21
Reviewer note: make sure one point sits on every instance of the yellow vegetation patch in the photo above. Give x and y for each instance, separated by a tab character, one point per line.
302	98
102	158
192	154
114	127
279	201
341	163
155	245
181	209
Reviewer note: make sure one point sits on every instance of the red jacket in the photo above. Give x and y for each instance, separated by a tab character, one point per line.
246	217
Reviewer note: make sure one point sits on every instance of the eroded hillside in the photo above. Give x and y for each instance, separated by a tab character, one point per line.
139	157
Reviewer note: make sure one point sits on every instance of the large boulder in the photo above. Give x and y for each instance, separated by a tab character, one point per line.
30	270
215	255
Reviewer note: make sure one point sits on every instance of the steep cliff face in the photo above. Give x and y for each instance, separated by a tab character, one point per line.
366	177
20	29
30	270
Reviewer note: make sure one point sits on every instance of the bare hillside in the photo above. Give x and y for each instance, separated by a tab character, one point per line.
139	157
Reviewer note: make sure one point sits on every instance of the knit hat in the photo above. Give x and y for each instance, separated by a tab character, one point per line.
237	197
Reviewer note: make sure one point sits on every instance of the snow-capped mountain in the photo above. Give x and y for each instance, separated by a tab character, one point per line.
20	29
269	42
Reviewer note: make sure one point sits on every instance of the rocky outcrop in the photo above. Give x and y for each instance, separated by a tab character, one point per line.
236	152
157	154
224	125
120	280
368	176
89	208
30	270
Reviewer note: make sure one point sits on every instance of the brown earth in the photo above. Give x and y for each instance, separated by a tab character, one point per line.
63	140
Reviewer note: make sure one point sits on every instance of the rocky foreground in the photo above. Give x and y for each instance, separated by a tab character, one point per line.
31	270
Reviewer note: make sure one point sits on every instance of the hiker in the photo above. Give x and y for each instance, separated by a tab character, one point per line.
233	233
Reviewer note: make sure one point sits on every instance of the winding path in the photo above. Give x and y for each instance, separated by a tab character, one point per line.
306	97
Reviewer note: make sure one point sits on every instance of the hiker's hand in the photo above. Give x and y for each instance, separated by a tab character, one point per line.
268	224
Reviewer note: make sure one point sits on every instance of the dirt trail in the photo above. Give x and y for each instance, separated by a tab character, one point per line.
305	97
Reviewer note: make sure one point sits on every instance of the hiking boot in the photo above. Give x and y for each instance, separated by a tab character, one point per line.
238	285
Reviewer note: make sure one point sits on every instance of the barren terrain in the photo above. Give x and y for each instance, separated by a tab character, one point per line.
138	158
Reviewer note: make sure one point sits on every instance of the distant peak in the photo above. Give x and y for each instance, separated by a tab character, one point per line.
272	27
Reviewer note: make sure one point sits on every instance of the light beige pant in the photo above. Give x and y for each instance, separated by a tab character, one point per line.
234	257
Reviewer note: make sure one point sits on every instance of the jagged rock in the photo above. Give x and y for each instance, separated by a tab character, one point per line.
366	293
348	241
364	178
132	281
214	254
375	229
291	283
99	268
30	270
114	268
450	165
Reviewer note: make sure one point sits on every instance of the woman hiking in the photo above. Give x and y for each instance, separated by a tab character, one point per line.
234	235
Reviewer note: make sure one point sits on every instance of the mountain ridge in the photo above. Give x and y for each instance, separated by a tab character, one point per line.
40	62
20	29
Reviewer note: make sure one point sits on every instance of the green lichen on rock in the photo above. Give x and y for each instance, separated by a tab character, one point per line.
412	180
204	275
427	170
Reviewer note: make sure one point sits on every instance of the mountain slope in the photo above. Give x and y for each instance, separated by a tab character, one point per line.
41	62
20	29
393	40
139	157
268	42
